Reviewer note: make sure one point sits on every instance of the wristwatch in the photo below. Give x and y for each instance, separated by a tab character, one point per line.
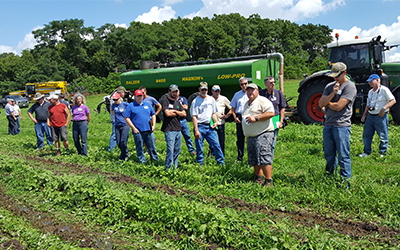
256	118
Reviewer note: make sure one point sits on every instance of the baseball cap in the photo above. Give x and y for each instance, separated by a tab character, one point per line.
252	85
216	87
337	69
203	85
121	89
173	88
10	100
116	96
138	92
52	97
373	77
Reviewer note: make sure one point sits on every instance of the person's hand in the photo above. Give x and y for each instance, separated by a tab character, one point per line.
336	88
382	112
237	120
35	121
153	128
214	125
135	131
250	119
279	125
197	134
363	118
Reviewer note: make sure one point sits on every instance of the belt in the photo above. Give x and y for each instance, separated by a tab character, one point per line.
80	121
205	123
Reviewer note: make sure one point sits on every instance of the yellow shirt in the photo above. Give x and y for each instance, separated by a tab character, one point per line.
259	106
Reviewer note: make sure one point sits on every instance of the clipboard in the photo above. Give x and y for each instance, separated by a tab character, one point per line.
275	120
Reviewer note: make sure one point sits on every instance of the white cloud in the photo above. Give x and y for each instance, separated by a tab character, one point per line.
171	2
293	10
391	33
7	49
157	15
122	25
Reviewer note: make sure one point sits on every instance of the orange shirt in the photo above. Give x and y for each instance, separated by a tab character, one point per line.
57	112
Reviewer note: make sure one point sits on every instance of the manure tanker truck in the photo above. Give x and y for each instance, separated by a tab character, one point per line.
363	57
187	75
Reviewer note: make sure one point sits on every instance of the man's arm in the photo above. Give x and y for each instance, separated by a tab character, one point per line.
263	117
387	106
337	106
32	118
365	114
325	100
129	122
196	128
215	118
88	118
48	119
153	122
233	112
68	116
158	109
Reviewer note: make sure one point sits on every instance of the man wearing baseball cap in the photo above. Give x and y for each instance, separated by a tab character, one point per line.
172	110
11	117
203	109
140	116
338	99
41	110
380	99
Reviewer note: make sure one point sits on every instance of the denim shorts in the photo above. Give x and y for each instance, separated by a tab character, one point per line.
259	149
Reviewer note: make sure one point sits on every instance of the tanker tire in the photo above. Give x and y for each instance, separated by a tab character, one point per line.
395	110
190	100
307	108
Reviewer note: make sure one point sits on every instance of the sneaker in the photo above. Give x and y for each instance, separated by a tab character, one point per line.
193	153
260	179
268	183
382	155
363	155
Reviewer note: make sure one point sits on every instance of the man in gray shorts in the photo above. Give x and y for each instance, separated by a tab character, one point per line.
259	131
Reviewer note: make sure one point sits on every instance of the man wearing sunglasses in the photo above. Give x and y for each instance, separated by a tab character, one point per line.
338	99
204	116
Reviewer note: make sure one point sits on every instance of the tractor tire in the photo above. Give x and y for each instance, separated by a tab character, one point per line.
307	104
395	110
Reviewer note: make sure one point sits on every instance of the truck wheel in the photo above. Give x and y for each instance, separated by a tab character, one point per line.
190	100
395	110
307	104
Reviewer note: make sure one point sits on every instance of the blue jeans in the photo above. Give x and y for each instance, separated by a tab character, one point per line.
148	138
186	135
381	126
79	133
122	136
221	139
337	141
18	125
41	129
276	131
113	140
206	132
173	139
240	138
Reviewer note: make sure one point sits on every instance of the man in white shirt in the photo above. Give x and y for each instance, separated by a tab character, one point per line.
380	99
204	117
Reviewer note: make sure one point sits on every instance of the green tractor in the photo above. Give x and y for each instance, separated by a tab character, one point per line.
363	57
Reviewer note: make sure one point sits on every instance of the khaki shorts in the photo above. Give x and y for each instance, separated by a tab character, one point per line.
56	133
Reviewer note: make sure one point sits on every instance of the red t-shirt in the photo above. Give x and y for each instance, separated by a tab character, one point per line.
57	112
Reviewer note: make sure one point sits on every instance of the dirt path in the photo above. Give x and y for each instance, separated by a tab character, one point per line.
304	218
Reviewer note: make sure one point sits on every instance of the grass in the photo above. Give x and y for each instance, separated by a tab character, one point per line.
196	207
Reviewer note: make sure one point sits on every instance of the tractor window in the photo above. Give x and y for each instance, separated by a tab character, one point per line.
30	89
354	56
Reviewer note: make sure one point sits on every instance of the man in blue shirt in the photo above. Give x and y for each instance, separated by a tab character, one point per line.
41	110
140	116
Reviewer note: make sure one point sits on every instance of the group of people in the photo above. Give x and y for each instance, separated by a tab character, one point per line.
52	117
337	100
258	114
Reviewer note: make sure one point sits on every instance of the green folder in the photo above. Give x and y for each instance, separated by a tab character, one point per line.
275	120
212	123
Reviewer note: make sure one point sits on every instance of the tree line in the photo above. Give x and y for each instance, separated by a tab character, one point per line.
67	50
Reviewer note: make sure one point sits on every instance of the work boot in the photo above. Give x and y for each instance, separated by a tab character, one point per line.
58	152
260	179
268	183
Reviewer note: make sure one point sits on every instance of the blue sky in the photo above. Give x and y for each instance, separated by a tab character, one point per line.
348	17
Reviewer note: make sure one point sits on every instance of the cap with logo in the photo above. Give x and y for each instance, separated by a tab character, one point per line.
373	77
203	85
252	85
173	88
138	92
215	88
337	69
116	96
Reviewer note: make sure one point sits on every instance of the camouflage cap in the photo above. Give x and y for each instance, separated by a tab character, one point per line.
121	89
337	69
203	85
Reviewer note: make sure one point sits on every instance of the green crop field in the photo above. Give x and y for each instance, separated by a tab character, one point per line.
71	202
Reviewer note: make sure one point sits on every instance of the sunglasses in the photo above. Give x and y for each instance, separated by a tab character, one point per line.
203	89
244	84
115	100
